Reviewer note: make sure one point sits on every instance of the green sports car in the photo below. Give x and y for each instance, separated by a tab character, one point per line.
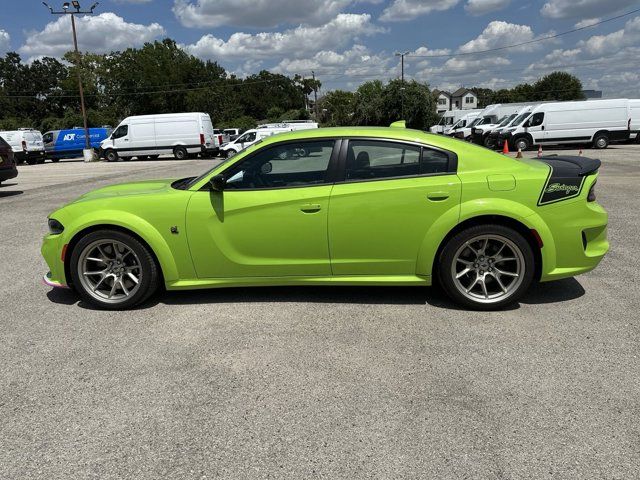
351	206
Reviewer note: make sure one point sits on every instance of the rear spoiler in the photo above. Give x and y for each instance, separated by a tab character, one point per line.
585	166
567	176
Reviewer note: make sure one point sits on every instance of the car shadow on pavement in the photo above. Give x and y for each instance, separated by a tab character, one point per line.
10	193
542	293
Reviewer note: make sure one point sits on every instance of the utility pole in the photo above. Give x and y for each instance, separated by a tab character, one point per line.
402	55
77	11
315	95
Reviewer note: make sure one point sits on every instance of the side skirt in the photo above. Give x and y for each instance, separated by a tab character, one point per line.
353	280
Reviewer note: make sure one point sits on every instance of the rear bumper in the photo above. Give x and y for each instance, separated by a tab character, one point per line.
21	156
210	150
579	232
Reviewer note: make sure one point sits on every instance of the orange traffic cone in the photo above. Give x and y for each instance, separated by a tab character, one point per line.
519	155
505	148
539	151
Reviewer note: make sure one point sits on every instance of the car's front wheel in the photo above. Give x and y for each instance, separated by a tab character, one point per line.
486	267
113	270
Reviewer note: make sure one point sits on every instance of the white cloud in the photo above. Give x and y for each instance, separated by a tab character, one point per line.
583	8
98	34
481	7
587	22
258	13
299	42
402	10
499	34
5	41
357	62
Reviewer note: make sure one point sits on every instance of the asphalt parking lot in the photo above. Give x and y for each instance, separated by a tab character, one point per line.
316	382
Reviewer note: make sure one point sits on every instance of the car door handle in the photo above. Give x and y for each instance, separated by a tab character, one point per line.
437	196
311	207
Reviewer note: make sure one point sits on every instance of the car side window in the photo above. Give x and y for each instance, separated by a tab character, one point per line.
536	119
121	131
287	165
370	159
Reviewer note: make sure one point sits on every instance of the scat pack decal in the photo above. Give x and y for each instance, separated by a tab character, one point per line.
557	189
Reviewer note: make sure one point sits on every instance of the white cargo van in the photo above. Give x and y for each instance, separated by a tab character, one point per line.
502	114
27	145
634	119
252	136
145	136
449	118
463	124
290	125
597	122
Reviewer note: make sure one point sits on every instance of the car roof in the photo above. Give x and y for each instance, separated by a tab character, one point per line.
386	133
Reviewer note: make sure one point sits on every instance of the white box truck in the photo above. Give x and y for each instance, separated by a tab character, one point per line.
27	145
595	122
149	136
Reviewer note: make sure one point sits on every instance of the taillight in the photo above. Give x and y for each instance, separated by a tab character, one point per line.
629	125
202	139
24	145
592	193
220	139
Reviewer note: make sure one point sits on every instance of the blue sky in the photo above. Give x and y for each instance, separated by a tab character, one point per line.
347	42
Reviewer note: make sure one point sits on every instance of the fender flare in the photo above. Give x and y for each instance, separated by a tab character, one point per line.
140	227
480	207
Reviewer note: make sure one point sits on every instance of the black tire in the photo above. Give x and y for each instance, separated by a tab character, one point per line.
40	161
180	153
601	141
55	160
149	278
448	257
522	143
143	157
32	161
488	142
111	156
154	157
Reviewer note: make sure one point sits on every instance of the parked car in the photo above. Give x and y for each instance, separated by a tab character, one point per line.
462	128
8	169
148	136
595	122
337	206
70	143
27	145
222	135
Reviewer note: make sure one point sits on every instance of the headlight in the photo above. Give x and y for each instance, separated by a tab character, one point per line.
55	227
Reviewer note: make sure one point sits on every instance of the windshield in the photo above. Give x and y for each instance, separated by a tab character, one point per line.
507	120
520	119
475	122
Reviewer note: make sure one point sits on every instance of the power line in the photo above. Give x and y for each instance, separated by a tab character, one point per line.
536	40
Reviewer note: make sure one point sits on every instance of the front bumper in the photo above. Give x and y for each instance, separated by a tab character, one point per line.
47	280
52	248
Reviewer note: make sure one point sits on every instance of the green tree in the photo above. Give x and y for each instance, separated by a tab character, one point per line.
559	86
336	108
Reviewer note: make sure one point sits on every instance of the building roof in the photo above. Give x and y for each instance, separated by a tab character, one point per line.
461	91
441	92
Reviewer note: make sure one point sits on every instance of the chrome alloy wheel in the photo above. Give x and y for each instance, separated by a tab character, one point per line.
488	268
109	271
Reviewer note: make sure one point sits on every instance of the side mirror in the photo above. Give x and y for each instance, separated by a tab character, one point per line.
218	183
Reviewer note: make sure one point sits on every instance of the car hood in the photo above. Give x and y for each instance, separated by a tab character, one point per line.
147	187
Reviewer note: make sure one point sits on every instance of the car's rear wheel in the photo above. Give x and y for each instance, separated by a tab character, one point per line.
180	153
486	267
601	141
55	160
113	270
